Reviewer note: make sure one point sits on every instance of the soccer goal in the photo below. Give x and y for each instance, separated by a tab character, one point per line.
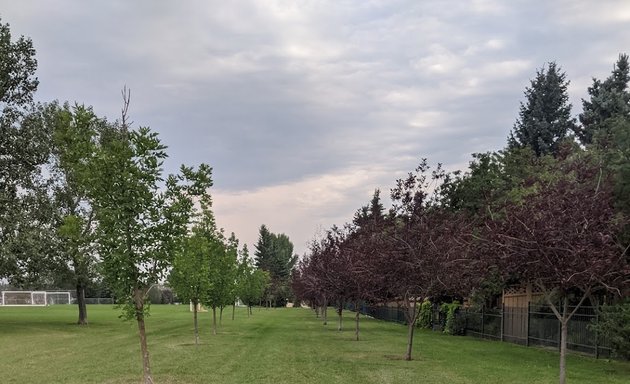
35	298
53	298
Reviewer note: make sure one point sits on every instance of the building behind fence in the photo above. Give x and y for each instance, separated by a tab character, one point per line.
534	324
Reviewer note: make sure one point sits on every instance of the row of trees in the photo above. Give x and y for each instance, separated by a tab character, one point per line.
210	269
84	200
551	210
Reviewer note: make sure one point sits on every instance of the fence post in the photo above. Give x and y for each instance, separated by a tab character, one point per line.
527	326
465	321
559	332
502	320
596	333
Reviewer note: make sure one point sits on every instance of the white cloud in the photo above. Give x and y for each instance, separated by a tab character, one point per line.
440	60
493	7
589	13
298	208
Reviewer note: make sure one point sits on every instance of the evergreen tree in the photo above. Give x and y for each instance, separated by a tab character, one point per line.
606	129
545	117
274	254
609	100
264	249
371	213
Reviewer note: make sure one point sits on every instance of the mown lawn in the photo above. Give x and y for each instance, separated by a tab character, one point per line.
42	345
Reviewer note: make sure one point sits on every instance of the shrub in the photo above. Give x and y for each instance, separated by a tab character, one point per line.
424	320
450	309
614	323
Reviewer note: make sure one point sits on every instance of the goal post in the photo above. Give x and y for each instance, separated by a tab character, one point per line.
53	298
35	298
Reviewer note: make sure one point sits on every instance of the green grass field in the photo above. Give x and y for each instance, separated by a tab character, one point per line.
42	345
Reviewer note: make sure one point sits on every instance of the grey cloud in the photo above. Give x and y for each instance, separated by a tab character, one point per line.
271	93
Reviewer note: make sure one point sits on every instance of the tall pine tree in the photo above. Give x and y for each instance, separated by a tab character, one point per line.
274	254
606	129
609	102
545	117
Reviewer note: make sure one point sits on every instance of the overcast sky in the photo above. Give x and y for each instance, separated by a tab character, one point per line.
303	108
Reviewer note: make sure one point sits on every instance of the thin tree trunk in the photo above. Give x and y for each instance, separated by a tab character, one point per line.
139	304
233	310
325	309
249	310
83	319
195	322
410	329
221	316
356	319
340	312
214	320
316	312
411	319
563	340
564	318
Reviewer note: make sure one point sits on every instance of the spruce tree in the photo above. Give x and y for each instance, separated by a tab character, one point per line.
274	254
545	117
609	101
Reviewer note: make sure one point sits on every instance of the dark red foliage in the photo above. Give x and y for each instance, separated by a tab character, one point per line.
428	256
564	235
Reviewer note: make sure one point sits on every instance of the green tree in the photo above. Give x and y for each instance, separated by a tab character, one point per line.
241	273
230	275
141	218
75	136
17	71
545	118
609	100
189	275
274	254
218	264
26	229
221	264
606	128
477	189
264	249
30	250
252	282
614	323
257	284
495	178
618	160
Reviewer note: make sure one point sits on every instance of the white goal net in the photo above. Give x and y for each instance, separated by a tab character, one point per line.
53	298
34	298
